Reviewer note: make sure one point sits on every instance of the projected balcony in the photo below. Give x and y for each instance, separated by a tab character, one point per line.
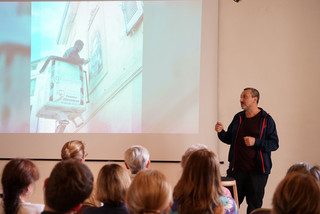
60	90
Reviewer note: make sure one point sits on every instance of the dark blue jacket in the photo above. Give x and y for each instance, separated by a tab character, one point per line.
267	142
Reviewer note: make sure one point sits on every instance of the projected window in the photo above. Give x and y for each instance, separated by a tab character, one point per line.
132	12
101	66
96	63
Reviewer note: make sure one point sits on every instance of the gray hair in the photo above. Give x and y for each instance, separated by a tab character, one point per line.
189	151
136	158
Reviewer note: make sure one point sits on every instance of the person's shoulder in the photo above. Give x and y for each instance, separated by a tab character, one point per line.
48	212
30	208
226	199
68	52
266	115
238	115
174	207
91	210
229	204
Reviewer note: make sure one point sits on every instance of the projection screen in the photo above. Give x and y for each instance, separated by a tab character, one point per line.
109	73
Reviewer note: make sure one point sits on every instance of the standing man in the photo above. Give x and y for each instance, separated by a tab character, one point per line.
252	136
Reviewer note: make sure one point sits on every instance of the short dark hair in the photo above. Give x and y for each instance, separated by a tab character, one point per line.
79	42
69	184
254	93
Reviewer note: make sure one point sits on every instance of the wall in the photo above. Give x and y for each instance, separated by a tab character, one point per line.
273	46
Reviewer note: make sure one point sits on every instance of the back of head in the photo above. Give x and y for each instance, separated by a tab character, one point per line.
136	158
315	171
112	184
73	149
79	44
17	175
302	167
69	184
200	183
149	192
189	151
297	193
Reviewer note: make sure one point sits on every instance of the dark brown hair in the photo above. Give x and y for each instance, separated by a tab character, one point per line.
17	175
69	184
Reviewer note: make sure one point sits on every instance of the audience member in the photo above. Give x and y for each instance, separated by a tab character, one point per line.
136	158
189	151
199	187
69	184
297	193
187	154
74	149
18	181
315	171
112	184
302	167
149	193
305	167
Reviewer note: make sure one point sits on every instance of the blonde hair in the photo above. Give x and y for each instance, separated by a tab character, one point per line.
149	192
200	184
136	158
297	193
73	149
112	184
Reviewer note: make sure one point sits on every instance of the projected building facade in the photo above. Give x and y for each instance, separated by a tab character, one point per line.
110	83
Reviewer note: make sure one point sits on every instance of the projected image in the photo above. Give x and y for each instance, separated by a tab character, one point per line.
102	67
74	86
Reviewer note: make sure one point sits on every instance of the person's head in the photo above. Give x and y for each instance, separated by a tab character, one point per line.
302	167
200	183
18	178
149	192
315	171
297	193
249	98
189	151
68	185
136	158
73	149
78	45
112	184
